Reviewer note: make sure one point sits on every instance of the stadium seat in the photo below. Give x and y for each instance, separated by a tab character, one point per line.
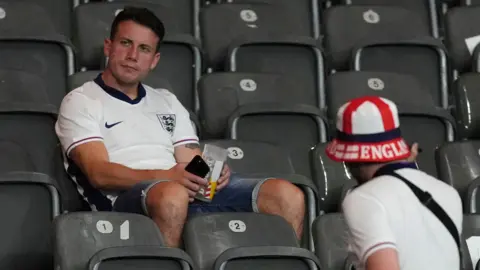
306	11
59	12
29	203
372	23
34	48
423	58
265	160
420	119
465	96
426	8
330	235
331	178
243	23
462	36
26	87
244	241
221	93
112	240
458	164
185	12
180	61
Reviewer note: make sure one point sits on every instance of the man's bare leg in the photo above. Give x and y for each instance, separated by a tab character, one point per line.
282	198
167	204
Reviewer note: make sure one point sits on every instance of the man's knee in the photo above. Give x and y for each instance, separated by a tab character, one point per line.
166	197
284	193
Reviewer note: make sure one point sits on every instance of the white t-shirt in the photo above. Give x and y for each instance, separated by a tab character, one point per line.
140	133
385	213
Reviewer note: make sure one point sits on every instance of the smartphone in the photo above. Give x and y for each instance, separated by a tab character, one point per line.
198	167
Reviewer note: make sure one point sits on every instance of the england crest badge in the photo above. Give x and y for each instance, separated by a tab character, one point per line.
168	122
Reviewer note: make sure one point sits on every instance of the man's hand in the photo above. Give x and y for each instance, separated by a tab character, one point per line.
224	177
413	153
186	179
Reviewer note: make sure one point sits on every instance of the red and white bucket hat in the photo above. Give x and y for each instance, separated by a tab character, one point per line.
368	130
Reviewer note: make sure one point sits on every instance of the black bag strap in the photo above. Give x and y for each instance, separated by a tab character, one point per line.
427	200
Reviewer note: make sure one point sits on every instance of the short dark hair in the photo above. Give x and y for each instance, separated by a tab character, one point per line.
142	16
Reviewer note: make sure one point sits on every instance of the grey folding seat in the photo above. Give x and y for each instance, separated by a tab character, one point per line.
221	93
332	179
421	120
244	241
26	87
331	241
424	58
458	164
465	97
462	35
234	108
266	160
305	10
28	182
180	61
34	47
112	240
372	23
59	12
30	201
261	38
427	9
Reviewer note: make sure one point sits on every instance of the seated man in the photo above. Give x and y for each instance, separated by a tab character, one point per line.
125	157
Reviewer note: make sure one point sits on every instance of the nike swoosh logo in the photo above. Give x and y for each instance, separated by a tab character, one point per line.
112	125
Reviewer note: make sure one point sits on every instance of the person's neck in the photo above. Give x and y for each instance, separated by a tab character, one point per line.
131	90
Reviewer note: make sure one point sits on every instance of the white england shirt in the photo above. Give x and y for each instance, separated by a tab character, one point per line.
140	133
384	213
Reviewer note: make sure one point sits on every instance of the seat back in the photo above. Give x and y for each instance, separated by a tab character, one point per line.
458	163
462	35
371	23
466	94
58	11
34	48
301	62
297	131
254	20
425	8
425	60
250	157
30	201
206	237
305	12
332	179
221	93
330	235
399	88
78	236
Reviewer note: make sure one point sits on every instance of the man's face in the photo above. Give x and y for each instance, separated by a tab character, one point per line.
132	52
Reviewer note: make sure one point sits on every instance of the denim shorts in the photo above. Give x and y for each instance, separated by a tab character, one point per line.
240	195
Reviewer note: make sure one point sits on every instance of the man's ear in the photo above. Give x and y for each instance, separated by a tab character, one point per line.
107	47
155	61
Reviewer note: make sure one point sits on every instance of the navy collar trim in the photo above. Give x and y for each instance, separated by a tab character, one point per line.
389	168
119	94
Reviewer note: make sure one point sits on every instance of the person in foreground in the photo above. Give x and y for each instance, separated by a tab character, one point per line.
388	226
126	144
